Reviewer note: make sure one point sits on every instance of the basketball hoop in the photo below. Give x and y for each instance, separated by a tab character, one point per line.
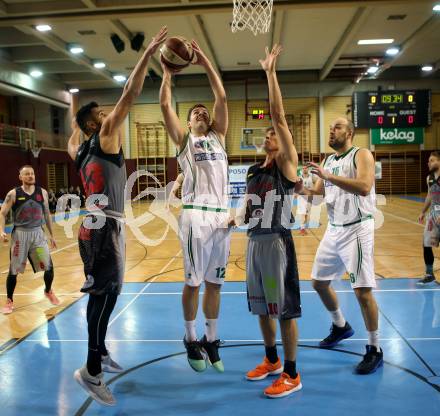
36	151
254	15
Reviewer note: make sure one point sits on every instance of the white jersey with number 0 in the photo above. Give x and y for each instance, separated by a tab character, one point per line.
204	163
345	208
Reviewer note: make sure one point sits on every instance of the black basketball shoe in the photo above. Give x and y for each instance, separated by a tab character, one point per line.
337	334
372	360
196	358
211	349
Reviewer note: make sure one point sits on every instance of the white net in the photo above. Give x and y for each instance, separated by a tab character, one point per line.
36	151
254	15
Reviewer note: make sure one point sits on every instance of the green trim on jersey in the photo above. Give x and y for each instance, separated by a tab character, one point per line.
344	154
184	143
354	157
368	217
203	208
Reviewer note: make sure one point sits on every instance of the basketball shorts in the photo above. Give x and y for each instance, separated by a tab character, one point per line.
103	254
347	249
272	276
29	244
431	233
304	205
205	240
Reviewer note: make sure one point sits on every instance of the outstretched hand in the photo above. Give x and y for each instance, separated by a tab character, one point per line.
200	57
157	40
317	170
268	64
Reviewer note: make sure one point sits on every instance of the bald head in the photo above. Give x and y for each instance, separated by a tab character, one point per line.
341	131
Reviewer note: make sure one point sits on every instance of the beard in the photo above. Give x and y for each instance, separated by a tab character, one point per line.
434	169
336	145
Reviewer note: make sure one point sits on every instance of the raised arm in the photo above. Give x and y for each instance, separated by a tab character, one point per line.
6	206
364	181
109	134
288	153
220	112
74	140
48	219
172	122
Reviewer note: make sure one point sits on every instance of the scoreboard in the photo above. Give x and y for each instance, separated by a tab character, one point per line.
392	109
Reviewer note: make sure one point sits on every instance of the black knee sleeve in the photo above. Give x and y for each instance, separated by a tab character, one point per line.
428	255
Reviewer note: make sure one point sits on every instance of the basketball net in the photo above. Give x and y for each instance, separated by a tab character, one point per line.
254	15
36	151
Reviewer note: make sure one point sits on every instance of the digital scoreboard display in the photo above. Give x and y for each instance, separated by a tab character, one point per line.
392	109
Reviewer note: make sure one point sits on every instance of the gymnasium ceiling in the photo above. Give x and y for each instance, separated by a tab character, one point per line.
319	37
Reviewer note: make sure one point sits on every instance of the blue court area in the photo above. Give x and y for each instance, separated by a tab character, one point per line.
145	338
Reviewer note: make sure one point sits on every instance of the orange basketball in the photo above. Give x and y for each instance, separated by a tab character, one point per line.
176	53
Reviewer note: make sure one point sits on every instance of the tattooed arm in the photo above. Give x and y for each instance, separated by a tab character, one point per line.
6	206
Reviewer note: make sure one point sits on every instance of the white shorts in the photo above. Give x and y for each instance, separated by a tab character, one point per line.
304	205
205	240
347	249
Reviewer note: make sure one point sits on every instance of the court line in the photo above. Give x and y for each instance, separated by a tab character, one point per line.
82	410
227	340
144	288
229	293
403	219
406	341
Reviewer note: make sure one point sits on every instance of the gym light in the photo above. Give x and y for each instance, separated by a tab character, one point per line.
427	68
392	51
74	90
375	41
43	28
36	73
119	78
372	69
75	49
99	65
436	8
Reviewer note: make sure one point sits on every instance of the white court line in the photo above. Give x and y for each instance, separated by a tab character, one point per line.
404	219
226	340
231	293
144	288
51	253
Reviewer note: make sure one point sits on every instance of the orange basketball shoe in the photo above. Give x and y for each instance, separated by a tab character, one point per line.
266	368
283	386
8	308
52	298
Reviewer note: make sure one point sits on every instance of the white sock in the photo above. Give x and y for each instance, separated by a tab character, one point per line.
373	339
190	331
337	318
211	330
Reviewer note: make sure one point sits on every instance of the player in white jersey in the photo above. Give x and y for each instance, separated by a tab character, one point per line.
304	201
346	179
203	229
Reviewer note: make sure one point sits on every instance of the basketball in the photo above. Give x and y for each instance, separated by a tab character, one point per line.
176	53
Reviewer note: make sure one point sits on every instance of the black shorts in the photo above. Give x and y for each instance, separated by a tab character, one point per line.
102	251
272	276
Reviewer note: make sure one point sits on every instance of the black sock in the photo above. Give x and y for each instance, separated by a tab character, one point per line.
290	368
428	255
11	282
271	354
48	279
